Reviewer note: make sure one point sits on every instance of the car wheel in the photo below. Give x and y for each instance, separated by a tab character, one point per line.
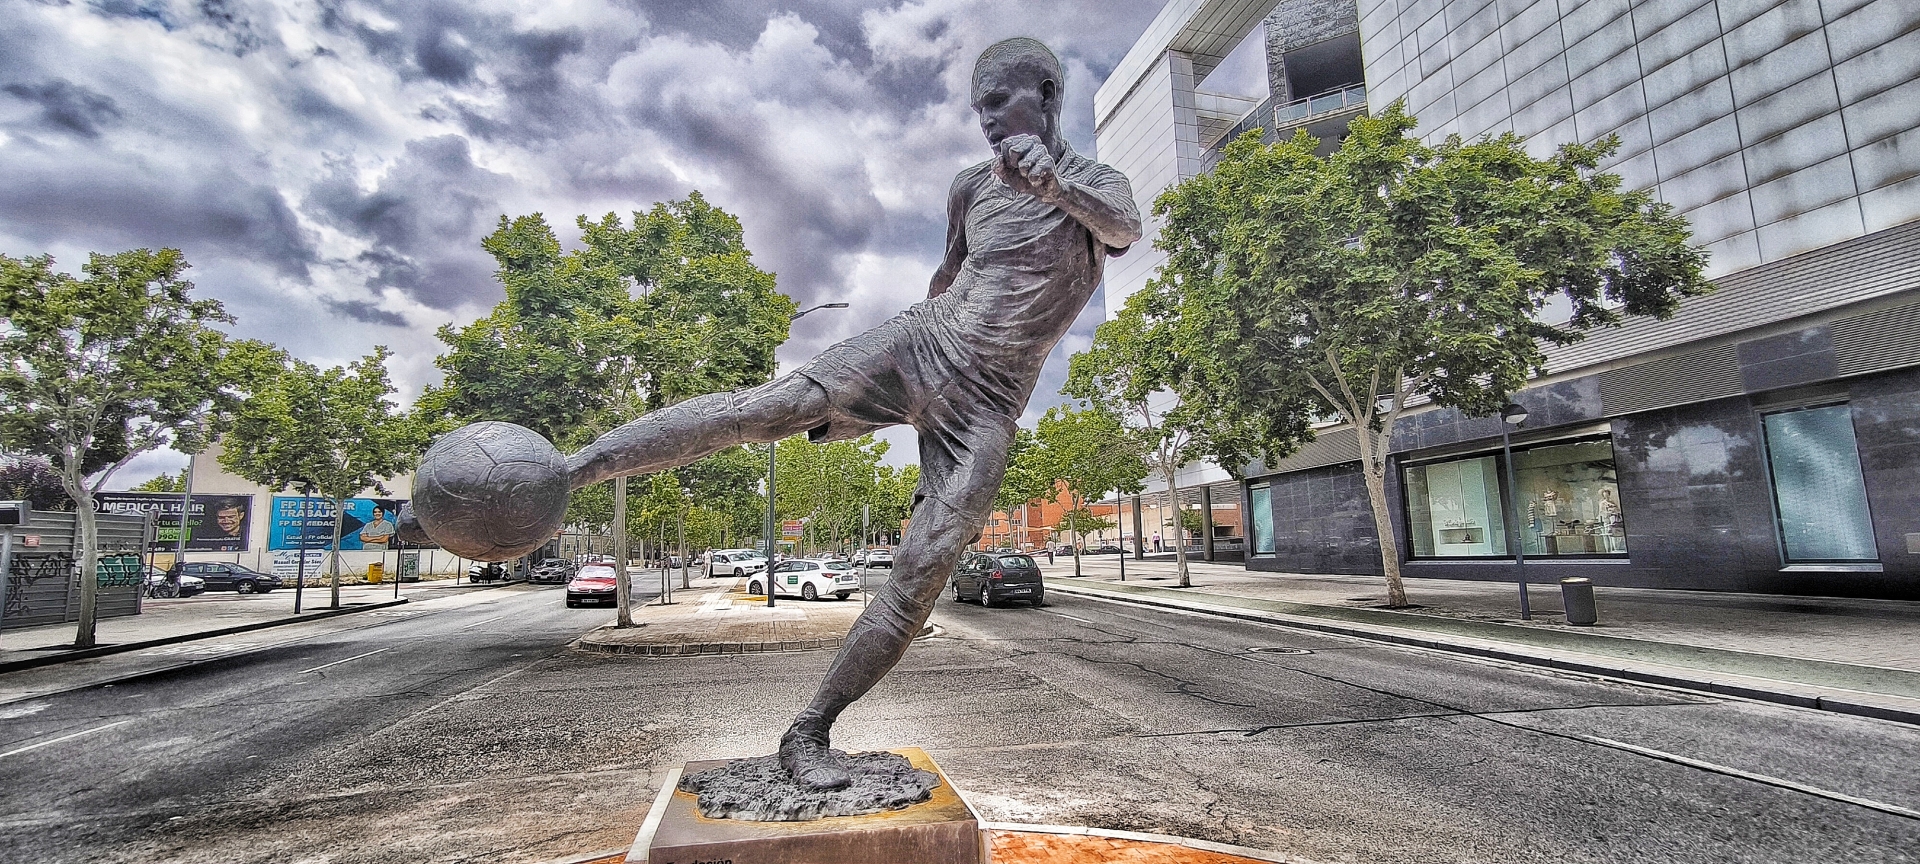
807	592
956	593
1039	600
842	595
739	572
753	587
244	586
986	595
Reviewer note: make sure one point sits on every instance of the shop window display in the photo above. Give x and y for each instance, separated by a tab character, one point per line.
1454	509
1569	504
1569	500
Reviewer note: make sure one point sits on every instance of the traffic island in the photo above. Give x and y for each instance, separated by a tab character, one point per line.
729	621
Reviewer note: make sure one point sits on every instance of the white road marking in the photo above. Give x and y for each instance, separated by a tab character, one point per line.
62	738
1065	615
1769	780
348	660
199	650
482	621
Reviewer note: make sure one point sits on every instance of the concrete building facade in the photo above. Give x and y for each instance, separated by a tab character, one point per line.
1766	438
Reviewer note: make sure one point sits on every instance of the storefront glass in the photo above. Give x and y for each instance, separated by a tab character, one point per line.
1569	504
1454	509
1569	500
1260	500
1817	486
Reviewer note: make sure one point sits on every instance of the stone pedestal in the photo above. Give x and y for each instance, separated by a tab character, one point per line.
941	830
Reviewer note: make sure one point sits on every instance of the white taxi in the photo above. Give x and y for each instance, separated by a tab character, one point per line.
810	579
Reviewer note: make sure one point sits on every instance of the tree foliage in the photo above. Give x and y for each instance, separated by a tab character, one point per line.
333	430
1299	288
640	316
176	482
828	485
98	369
33	479
1089	452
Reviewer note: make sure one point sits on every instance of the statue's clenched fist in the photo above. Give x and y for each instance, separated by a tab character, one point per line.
1025	165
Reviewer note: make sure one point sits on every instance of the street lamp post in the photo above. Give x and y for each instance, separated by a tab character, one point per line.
1513	416
772	446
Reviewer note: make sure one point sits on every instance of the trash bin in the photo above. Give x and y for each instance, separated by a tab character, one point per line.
1576	594
377	571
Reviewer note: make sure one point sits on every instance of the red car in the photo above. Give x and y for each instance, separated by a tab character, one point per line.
592	585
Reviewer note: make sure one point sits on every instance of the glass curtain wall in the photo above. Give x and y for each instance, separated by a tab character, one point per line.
1818	492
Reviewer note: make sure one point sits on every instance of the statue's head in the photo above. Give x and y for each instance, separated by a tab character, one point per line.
1017	90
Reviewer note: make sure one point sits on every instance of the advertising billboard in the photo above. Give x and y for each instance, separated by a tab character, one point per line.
307	523
218	523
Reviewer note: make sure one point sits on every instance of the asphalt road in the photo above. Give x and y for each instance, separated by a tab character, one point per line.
473	734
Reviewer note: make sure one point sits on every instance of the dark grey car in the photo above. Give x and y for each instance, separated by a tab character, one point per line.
221	576
991	578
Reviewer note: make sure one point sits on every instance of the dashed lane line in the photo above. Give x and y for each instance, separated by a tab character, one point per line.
348	660
69	737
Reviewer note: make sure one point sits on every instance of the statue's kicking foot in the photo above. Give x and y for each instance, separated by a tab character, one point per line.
810	761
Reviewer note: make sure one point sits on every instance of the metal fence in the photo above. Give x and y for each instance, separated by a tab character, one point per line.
43	584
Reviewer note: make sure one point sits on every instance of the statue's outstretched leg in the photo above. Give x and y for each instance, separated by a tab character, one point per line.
686	431
960	470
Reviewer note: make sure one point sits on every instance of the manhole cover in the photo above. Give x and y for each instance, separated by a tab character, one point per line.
1278	649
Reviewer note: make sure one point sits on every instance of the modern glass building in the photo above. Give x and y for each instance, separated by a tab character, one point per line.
1767	438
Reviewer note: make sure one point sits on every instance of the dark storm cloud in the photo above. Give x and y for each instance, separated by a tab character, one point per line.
423	222
367	313
68	106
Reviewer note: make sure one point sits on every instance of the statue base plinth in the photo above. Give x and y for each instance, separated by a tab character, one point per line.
940	830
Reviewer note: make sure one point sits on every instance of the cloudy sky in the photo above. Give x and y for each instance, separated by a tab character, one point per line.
329	166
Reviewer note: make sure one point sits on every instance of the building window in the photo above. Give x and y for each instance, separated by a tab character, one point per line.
1569	500
1817	488
1569	504
1260	527
1453	509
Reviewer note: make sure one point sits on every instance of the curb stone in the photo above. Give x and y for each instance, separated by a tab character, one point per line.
1816	697
107	650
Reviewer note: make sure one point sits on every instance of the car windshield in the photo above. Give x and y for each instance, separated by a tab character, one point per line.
1017	562
596	571
838	565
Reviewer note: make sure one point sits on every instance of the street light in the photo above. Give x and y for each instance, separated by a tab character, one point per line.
772	446
1513	416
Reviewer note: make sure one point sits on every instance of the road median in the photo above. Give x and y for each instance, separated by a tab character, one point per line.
1870	691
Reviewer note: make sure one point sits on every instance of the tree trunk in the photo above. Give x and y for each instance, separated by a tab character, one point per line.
89	556
1179	529
622	587
339	519
681	531
1073	529
1373	468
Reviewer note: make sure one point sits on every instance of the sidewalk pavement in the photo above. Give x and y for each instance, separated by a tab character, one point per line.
186	617
717	616
1858	656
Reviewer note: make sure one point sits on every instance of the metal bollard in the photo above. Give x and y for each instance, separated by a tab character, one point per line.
1576	596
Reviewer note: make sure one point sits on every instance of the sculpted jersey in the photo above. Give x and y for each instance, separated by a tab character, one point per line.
1029	268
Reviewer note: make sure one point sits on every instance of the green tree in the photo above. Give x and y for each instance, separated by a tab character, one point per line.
33	479
828	485
97	370
1091	453
1131	371
164	483
1024	482
333	429
643	315
1298	288
893	499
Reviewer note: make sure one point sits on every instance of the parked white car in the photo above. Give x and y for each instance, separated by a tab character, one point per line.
734	562
811	579
874	558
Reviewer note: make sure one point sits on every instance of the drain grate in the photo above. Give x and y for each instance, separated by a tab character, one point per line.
1278	649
